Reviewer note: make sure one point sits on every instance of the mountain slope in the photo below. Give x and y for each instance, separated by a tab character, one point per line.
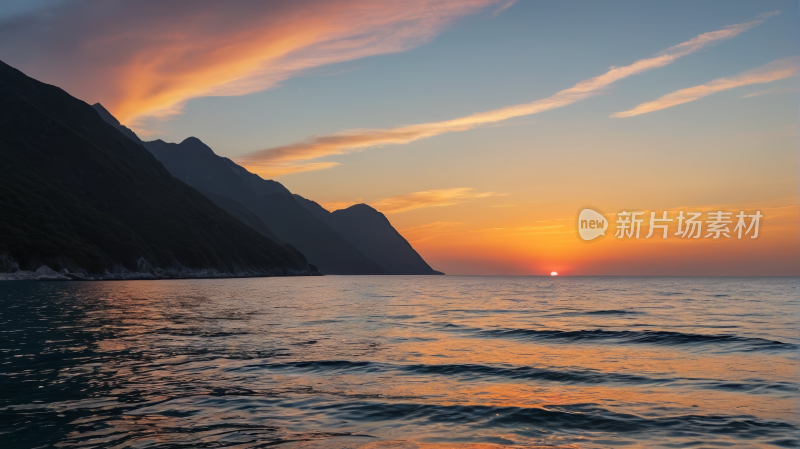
77	194
243	214
316	210
323	245
370	232
111	120
197	165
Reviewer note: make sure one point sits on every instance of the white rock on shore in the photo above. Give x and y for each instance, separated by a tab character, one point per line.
43	273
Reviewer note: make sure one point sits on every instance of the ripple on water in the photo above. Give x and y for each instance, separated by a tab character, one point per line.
396	362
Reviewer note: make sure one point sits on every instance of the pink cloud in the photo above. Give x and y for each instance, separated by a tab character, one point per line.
775	70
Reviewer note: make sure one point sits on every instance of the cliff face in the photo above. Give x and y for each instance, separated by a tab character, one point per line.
77	195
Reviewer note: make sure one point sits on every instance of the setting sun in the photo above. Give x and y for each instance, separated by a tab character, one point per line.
553	274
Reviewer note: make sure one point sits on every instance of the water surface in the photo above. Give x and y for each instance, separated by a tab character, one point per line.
401	361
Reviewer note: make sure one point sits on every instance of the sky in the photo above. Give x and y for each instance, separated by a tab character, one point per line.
480	128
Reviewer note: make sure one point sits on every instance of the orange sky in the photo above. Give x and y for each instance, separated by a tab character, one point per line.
553	245
480	127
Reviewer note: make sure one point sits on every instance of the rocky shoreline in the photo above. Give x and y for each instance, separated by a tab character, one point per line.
45	273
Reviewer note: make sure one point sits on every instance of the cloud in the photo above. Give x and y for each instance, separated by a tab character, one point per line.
427	198
776	90
274	171
775	70
421	233
508	4
146	59
361	139
525	230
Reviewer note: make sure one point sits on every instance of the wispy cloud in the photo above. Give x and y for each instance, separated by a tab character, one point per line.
775	70
428	231
522	230
428	198
145	59
503	7
773	91
276	170
360	139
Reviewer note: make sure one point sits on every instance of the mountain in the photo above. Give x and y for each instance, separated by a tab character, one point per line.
229	184
370	232
358	240
195	163
243	214
111	120
82	198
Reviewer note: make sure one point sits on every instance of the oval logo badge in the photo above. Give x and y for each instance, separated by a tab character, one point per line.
591	224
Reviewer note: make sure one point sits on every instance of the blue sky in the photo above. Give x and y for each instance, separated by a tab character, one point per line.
529	51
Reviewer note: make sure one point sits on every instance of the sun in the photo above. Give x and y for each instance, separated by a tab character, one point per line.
554	274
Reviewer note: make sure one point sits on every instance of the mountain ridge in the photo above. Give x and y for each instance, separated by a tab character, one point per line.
196	164
81	198
333	248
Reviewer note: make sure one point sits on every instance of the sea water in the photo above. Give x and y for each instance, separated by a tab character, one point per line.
401	361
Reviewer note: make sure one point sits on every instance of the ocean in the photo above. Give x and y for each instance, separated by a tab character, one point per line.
401	362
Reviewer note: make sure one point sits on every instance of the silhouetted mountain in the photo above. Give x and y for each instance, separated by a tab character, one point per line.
370	232
336	246
194	163
78	195
243	214
111	120
323	245
322	214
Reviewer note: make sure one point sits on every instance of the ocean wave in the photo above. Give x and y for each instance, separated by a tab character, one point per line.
471	372
667	338
578	417
612	312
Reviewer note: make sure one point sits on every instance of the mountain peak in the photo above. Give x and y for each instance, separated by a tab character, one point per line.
361	207
194	144
192	140
372	234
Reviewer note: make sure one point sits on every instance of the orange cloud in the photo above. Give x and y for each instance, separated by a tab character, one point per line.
274	171
527	230
777	90
427	198
428	231
360	139
144	59
775	70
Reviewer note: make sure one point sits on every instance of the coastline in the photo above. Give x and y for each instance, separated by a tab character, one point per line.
45	273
